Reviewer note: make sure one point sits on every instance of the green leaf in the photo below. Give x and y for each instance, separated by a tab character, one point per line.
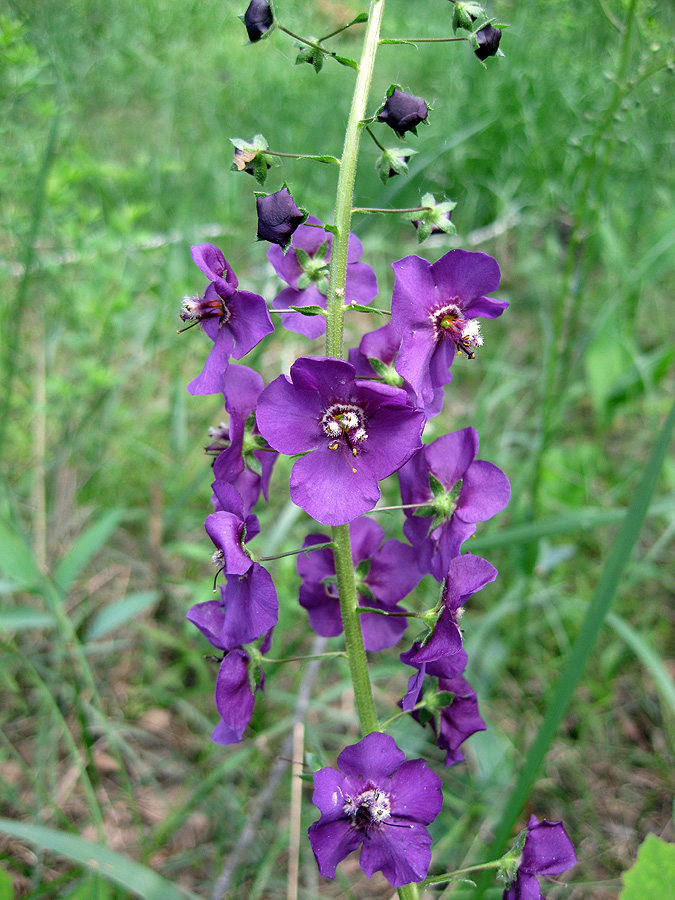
325	158
309	310
17	561
362	17
396	41
346	61
119	612
141	881
24	618
653	875
6	885
86	547
359	307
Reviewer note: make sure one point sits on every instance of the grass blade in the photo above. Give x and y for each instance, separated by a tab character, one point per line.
85	547
617	560
119	612
141	881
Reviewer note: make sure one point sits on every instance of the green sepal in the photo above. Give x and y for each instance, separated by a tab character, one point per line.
436	487
424	511
362	17
393	160
510	862
332	229
346	61
362	569
366	592
304	259
304	280
443	699
325	158
260	166
254	464
310	55
463	11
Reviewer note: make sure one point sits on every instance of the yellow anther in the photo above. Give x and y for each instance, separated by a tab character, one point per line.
333	445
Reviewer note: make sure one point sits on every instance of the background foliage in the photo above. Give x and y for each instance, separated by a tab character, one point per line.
114	157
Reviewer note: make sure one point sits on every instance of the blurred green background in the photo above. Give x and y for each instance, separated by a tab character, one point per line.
115	121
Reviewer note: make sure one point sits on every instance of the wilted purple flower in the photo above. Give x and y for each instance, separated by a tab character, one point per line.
258	19
403	112
466	575
240	677
453	711
488	39
240	459
278	217
305	269
547	851
376	357
234	320
359	433
377	799
435	308
385	574
457	491
229	527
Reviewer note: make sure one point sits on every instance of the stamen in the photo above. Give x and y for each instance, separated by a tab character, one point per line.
333	445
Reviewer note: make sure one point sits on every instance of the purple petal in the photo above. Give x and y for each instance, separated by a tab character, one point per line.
354	249
380	632
361	284
413	296
382	344
311	327
209	617
527	887
394	572
223	734
375	757
211	380
214	265
249	320
242	387
366	536
460	720
548	850
485	308
251	606
394	434
446	640
225	530
485	492
331	487
331	843
234	700
464	275
289	418
451	455
417	792
465	576
332	379
318	564
402	854
414	357
415	682
446	542
322	608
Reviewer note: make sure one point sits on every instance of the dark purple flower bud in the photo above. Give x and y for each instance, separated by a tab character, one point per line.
488	39
258	19
403	112
278	217
379	801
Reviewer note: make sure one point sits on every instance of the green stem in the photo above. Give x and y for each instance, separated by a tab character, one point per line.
377	143
292	155
445	40
384	612
448	876
375	209
338	31
408	892
294	552
303	40
345	186
330	655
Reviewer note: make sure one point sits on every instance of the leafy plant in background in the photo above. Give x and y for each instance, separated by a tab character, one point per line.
349	425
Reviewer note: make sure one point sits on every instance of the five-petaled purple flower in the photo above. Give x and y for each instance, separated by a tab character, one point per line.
435	308
358	433
234	320
466	575
403	112
453	711
376	799
454	490
304	268
547	851
385	574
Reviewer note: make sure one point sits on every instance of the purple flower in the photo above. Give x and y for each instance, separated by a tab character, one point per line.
376	357
403	112
241	458
278	217
547	850
304	268
240	677
457	491
386	572
258	19
466	575
435	309
234	320
377	799
354	434
452	712
488	39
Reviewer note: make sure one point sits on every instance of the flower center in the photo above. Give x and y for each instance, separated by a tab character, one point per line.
450	324
369	808
197	308
345	425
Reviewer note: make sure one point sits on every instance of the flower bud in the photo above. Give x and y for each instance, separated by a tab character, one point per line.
278	217
403	112
488	39
258	19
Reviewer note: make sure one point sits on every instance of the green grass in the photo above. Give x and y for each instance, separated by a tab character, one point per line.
114	158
